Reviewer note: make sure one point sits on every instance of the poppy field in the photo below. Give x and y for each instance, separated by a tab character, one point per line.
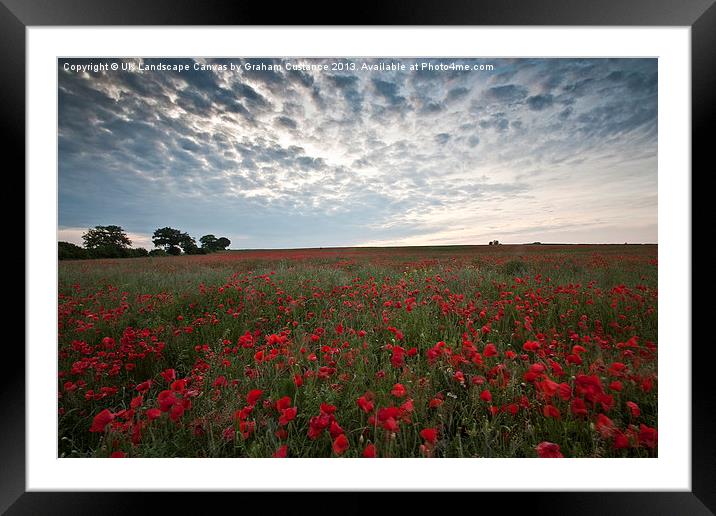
455	351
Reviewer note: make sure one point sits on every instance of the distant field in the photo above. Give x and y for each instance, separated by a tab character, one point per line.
456	351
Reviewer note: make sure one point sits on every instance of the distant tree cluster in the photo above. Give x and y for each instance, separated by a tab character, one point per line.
494	242
101	242
212	244
174	242
69	251
113	242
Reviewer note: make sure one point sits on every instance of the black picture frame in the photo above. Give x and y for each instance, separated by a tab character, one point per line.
700	15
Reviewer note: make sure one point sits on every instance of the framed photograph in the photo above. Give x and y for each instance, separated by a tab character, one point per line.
449	241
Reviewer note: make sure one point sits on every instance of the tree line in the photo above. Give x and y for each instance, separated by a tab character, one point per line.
113	242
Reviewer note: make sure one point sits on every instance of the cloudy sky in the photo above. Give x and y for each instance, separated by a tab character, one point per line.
550	150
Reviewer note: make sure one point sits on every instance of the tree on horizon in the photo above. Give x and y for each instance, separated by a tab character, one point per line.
174	241
210	243
107	241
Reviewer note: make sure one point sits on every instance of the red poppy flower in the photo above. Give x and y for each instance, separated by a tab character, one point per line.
369	452
573	359
430	435
620	440
118	455
101	420
486	396
551	411
490	350
253	396
144	386
220	381
606	401
535	371
283	403
646	384
647	436
70	386
388	412
633	408
229	433
243	413
547	450
565	391
391	425
166	400
556	368
407	407
178	385
169	375
531	345
578	407
604	426
316	425
335	429
396	359
153	413
327	409
547	387
247	428
398	390
590	387
340	445
287	415
365	404
281	452
435	402
176	412
616	369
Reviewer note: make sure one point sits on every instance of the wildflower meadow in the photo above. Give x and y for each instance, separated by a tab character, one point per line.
429	352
